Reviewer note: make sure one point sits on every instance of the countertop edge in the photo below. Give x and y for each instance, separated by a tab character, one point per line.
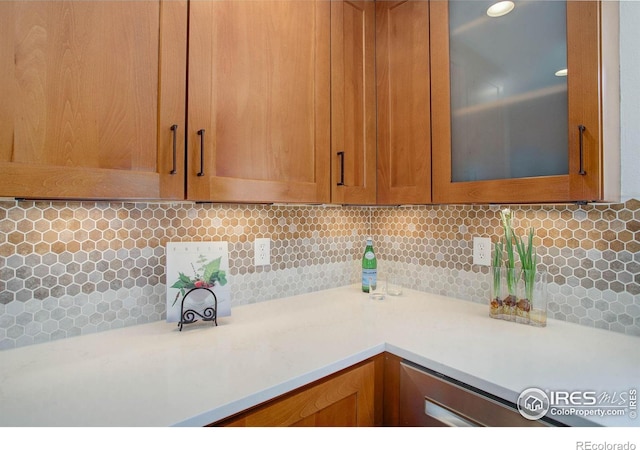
240	405
235	407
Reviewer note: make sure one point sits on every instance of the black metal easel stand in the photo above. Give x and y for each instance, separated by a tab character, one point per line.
209	314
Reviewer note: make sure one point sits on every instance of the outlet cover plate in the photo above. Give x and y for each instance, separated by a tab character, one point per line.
262	252
482	251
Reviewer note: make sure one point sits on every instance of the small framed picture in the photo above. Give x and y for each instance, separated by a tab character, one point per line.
197	265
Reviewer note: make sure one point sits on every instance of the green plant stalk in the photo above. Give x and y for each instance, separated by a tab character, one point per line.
497	259
508	244
528	260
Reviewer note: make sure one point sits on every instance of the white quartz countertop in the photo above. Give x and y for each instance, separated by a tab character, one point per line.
154	375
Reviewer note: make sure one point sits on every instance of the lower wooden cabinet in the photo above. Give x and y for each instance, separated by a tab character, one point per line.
352	397
383	391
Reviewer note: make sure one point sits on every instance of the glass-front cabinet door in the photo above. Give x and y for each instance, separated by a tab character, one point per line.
515	92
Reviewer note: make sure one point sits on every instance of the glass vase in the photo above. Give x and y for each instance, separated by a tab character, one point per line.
535	292
509	293
497	293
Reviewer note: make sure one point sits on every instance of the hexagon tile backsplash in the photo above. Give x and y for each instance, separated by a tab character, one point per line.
591	252
70	268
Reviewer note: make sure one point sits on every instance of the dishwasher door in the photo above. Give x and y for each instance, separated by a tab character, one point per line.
431	401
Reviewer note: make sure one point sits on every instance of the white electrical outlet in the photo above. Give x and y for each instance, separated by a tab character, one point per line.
262	252
482	251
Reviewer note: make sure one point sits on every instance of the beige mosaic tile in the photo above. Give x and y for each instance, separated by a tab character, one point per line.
592	253
69	268
55	257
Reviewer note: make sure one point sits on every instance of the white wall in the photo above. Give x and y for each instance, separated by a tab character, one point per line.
630	98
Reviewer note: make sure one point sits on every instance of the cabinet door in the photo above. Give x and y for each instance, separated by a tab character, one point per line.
346	399
353	102
259	101
404	104
90	92
506	127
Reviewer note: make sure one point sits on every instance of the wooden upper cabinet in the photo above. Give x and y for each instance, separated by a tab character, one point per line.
259	101
90	91
404	103
519	133
353	102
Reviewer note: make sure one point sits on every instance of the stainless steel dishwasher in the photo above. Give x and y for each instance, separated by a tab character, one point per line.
431	399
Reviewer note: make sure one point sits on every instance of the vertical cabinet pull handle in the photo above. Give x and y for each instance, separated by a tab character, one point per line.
341	156
174	131
201	134
581	129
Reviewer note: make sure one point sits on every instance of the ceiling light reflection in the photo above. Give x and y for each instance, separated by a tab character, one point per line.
500	9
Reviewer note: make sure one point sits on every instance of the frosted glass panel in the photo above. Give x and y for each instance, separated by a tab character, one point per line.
509	109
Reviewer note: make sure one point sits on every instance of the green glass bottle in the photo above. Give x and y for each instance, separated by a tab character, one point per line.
369	267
